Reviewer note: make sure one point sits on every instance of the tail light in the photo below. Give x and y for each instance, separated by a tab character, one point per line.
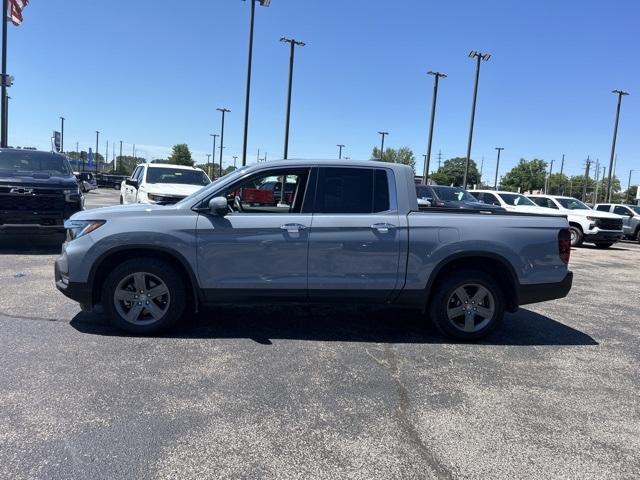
564	245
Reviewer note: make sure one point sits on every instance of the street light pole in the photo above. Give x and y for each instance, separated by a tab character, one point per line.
436	78
97	139
208	162
495	182
292	42
5	125
223	111
120	153
340	147
586	179
3	114
264	3
383	134
213	150
62	135
620	93
548	182
479	56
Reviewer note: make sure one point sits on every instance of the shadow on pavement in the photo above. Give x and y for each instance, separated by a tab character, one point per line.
31	244
349	324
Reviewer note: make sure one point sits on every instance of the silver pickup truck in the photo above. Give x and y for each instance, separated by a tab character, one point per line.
344	231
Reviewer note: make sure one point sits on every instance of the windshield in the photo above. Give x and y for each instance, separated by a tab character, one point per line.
572	204
636	210
516	200
422	191
229	176
177	175
454	194
30	162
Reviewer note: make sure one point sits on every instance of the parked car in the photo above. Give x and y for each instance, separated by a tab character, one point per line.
161	183
38	191
449	197
106	180
351	233
587	225
510	201
630	217
86	180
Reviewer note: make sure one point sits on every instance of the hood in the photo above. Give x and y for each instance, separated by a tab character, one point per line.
174	189
38	180
593	213
472	205
532	209
106	213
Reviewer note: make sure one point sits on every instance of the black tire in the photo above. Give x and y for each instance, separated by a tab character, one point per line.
637	235
121	200
116	186
173	303
603	244
576	236
441	299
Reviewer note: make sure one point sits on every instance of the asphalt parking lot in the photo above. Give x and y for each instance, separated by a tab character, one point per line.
320	392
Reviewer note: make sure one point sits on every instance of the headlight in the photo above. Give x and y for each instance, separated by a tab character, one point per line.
80	228
592	219
72	195
154	198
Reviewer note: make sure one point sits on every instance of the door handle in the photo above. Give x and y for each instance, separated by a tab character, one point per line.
383	227
293	227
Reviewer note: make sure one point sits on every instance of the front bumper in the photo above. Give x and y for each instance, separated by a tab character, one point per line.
80	292
603	235
542	292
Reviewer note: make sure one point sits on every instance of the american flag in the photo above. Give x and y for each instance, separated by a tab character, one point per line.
14	10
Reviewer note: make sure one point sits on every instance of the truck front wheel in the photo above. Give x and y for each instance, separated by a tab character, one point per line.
576	236
467	305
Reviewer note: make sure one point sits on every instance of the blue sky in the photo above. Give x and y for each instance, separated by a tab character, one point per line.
153	72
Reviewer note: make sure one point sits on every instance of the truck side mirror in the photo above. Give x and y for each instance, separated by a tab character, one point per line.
131	182
218	206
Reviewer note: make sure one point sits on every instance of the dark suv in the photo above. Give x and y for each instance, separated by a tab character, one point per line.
38	191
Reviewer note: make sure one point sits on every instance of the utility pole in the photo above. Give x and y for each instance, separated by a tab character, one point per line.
629	186
264	3
61	135
481	169
120	153
424	156
436	78
620	93
546	186
586	179
596	193
479	56
208	163
495	181
439	158
213	149
234	161
292	42
340	147
383	134
106	155
223	111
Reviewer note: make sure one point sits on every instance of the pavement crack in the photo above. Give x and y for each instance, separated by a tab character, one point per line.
28	317
390	363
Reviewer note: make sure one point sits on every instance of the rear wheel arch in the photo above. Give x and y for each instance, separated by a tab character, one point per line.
107	262
494	265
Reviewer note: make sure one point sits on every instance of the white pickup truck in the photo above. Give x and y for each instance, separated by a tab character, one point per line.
348	232
600	228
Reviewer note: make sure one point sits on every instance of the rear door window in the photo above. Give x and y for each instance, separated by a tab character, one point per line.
622	211
603	208
352	190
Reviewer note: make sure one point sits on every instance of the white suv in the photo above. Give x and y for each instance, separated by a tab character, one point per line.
161	183
586	225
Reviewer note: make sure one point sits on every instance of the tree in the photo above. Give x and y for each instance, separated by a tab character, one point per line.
526	176
402	155
452	172
557	184
126	163
180	155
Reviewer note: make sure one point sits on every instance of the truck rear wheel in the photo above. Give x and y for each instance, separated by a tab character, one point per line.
467	305
144	296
